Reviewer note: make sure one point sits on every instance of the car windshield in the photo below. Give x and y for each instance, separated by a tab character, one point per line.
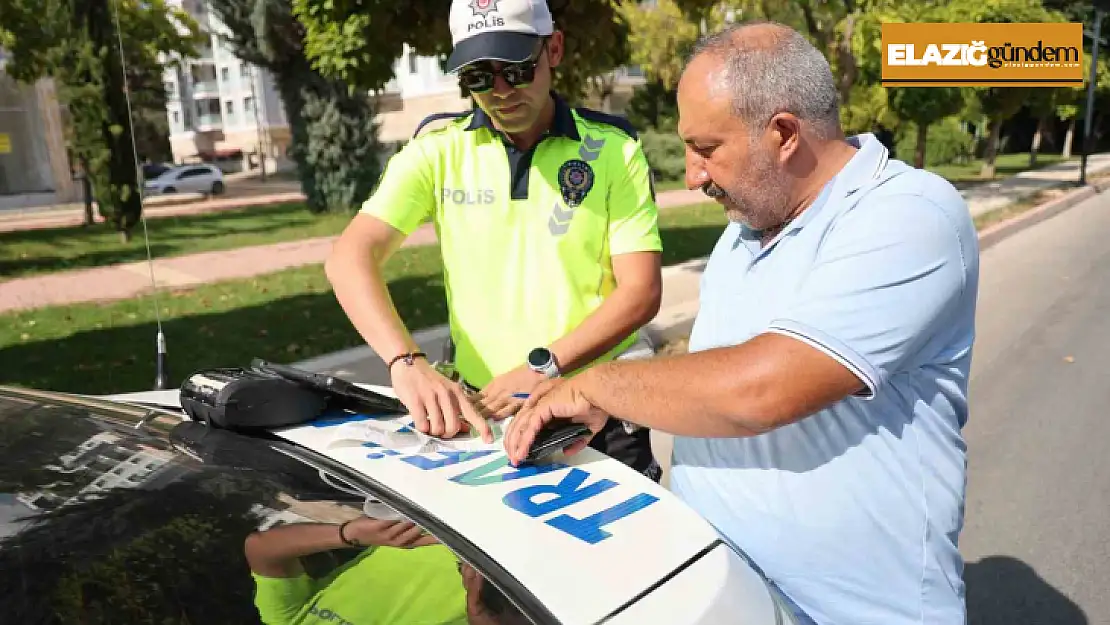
121	516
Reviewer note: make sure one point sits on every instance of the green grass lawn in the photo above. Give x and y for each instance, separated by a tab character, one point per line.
36	252
30	252
966	174
285	316
961	175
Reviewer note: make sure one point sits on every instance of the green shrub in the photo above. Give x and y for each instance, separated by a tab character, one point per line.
339	156
947	143
666	154
653	107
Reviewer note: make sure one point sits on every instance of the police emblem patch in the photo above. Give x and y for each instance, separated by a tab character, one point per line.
576	178
483	8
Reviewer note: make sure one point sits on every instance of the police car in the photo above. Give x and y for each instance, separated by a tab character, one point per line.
121	510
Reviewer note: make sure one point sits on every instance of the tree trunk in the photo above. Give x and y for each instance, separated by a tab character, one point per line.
1041	123
1068	138
992	150
122	198
846	62
86	190
919	153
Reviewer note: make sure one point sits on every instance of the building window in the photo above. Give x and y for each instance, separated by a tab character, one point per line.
244	71
248	105
412	62
176	118
230	107
225	75
170	88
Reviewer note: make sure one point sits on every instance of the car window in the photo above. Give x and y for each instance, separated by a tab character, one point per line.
110	517
193	173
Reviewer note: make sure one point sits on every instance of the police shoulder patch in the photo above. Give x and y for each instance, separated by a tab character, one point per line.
615	121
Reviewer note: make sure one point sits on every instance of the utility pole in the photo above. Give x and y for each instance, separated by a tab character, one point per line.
1089	115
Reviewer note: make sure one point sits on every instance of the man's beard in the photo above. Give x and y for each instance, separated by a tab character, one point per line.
760	201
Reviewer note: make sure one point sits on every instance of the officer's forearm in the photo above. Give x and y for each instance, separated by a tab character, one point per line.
628	308
356	278
276	552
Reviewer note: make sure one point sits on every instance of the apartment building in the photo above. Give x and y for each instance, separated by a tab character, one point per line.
220	108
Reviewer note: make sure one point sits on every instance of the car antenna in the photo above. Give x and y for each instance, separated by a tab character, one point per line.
161	376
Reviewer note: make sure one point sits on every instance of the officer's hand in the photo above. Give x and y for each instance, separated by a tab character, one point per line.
438	406
554	399
503	396
387	533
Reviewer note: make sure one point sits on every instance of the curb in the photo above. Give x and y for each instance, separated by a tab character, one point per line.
677	321
1005	229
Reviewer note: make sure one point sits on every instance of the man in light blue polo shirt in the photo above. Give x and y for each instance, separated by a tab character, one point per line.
818	419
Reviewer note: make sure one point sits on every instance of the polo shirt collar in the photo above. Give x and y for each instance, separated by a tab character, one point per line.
562	125
865	167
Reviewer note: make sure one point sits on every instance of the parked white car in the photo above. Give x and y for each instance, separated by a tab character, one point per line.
206	179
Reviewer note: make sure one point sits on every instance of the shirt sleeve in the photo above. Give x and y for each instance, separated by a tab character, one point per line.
405	196
280	600
887	278
633	213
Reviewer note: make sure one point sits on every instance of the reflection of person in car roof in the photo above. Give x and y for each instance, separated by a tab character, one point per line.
402	576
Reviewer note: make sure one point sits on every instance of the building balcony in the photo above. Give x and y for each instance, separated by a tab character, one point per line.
205	89
209	122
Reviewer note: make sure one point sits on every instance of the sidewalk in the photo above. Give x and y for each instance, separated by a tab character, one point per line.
989	196
128	280
132	279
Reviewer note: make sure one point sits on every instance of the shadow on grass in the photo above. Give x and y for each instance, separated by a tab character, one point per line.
23	267
121	358
77	247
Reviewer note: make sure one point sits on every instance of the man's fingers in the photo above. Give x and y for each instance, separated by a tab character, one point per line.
524	428
409	537
425	541
397	530
451	405
510	407
418	412
436	418
475	419
577	446
491	404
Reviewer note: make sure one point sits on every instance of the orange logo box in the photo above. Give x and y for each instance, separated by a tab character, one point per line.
990	55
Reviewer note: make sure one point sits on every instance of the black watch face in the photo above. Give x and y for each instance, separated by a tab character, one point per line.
539	357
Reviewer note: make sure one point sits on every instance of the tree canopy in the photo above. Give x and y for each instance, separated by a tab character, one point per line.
344	39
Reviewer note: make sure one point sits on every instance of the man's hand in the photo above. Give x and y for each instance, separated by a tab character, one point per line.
439	407
554	399
497	398
387	533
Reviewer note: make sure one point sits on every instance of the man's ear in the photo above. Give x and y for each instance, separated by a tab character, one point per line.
786	129
556	48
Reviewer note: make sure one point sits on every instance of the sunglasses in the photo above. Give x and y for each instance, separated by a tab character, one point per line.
479	78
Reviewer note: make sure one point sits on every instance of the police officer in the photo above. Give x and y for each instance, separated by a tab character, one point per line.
547	224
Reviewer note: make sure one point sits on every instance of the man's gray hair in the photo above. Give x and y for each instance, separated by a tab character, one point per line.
777	71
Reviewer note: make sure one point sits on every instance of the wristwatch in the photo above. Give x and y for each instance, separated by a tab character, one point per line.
541	360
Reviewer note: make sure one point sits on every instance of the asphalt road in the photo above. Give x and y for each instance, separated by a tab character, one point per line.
1037	531
1037	525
